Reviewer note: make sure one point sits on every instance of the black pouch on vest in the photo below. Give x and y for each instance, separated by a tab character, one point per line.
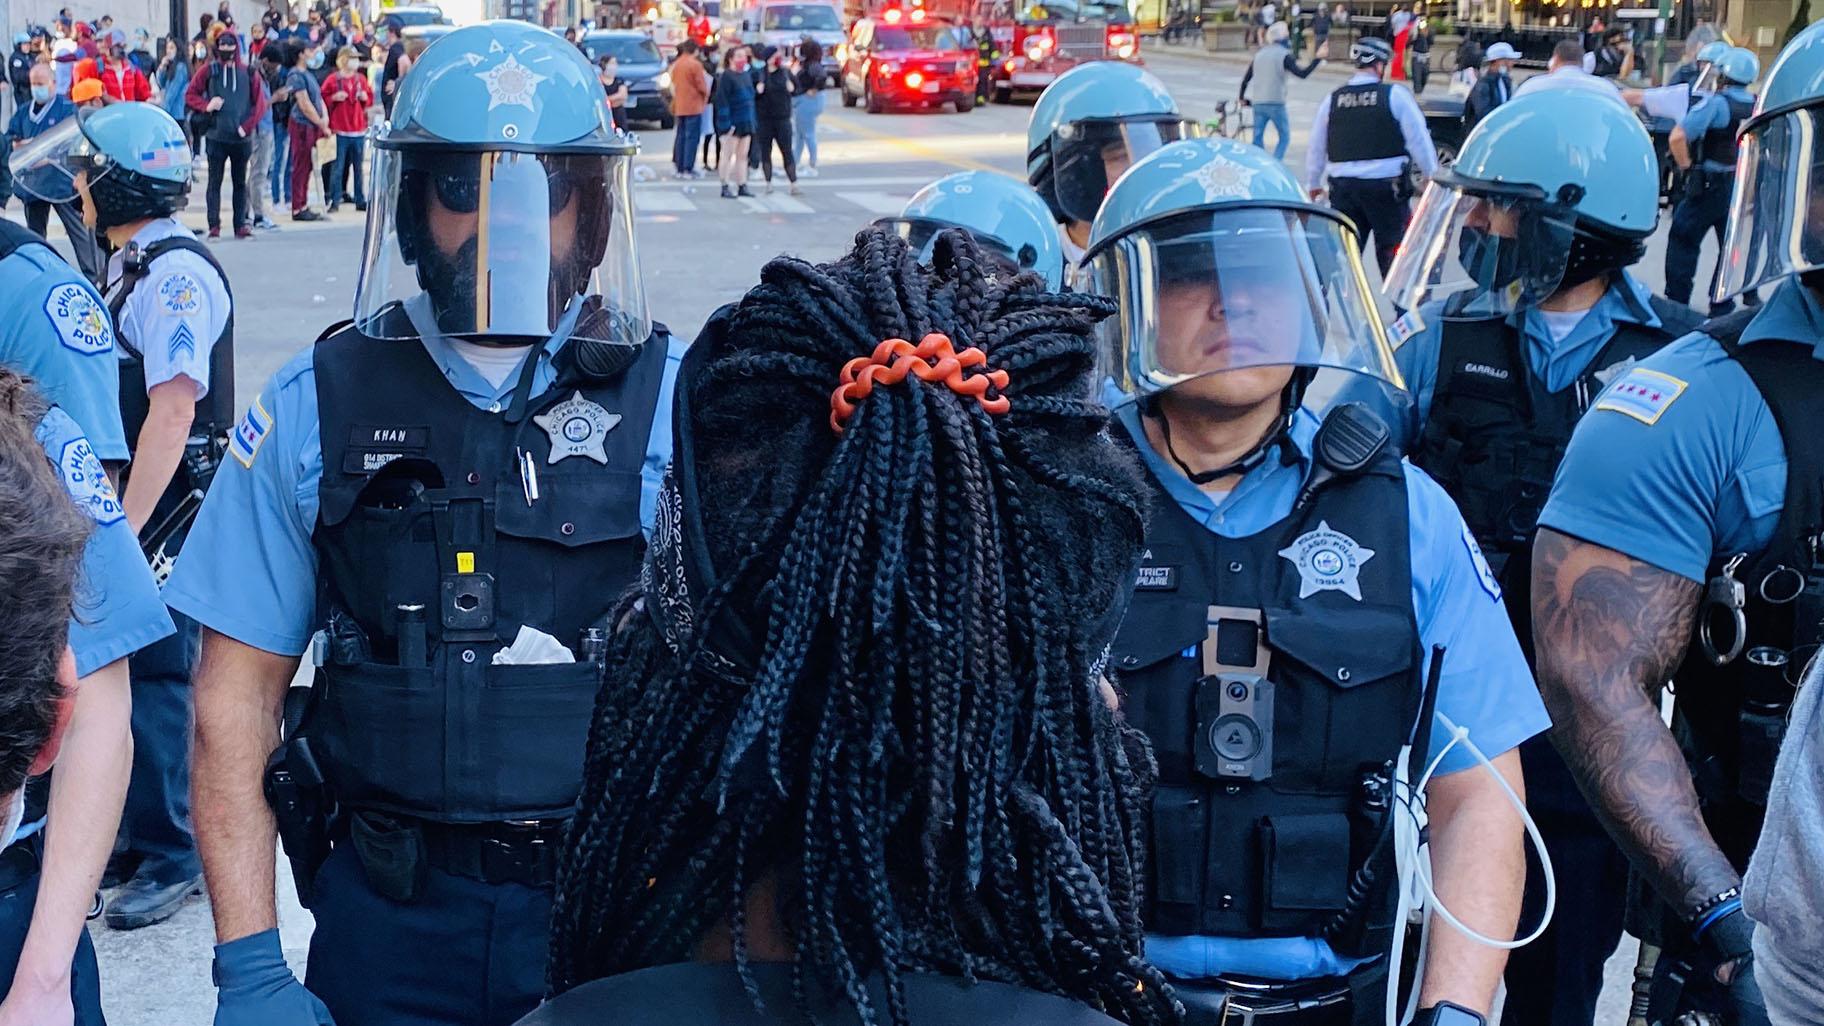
1302	880
392	855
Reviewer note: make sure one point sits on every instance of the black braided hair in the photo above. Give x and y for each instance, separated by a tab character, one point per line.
921	768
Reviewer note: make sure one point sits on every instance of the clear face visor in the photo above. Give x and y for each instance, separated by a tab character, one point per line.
45	168
1709	80
1483	253
493	244
921	235
1088	156
1225	304
1776	218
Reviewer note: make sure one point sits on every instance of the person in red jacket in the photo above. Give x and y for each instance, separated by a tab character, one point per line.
121	82
347	96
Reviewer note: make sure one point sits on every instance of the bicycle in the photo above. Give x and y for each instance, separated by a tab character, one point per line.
1234	120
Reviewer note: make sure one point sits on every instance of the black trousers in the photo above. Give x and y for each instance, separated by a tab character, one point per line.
156	822
769	133
234	154
1556	980
1703	209
465	953
1378	207
89	258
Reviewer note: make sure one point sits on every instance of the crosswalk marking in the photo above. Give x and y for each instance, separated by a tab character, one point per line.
884	203
666	201
775	205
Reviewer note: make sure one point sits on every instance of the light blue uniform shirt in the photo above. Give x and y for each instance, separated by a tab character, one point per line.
259	586
1412	127
1711	114
1486	687
118	611
56	331
1685	464
1557	363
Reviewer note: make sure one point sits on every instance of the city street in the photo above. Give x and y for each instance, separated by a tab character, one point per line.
698	251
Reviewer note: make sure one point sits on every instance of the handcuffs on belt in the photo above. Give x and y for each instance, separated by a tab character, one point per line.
1725	595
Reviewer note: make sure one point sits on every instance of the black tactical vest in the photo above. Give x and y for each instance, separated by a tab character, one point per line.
13	236
1733	716
1258	827
431	558
1495	436
1362	125
1720	145
215	412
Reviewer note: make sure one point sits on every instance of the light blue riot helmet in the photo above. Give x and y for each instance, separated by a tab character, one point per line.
504	212
1706	81
1003	214
1089	125
1551	190
21	38
129	160
1220	263
1737	65
1776	218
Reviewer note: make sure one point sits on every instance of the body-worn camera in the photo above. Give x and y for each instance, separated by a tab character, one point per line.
1235	698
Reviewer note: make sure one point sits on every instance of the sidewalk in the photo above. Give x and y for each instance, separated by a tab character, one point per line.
1337	64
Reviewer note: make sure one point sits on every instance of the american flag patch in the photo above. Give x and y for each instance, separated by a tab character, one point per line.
160	158
1642	394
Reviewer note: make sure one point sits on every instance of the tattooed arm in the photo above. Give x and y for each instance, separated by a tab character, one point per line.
1609	631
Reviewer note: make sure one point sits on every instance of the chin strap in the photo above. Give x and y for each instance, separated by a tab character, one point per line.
1278	437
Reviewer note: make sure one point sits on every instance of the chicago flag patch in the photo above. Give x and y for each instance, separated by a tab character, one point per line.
1642	394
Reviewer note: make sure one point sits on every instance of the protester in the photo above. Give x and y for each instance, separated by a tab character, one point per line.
308	124
348	97
689	98
273	64
259	164
392	65
1468	70
44	111
774	90
1493	87
231	99
1268	73
735	121
121	79
1565	71
773	809
807	105
608	69
87	94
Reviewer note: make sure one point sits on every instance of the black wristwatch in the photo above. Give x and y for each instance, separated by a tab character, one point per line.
1446	1014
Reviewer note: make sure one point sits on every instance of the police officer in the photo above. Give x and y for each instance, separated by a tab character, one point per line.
55	330
1687	84
1296	574
170	303
1520	308
452	489
1003	214
1679	542
1366	134
1703	145
1089	125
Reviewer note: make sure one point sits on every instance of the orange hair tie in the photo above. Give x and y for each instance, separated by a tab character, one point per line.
934	359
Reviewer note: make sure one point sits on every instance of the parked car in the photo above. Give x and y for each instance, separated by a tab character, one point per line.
648	81
416	37
903	59
410	15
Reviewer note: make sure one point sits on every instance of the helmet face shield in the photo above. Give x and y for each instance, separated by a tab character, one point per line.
502	244
1776	219
45	168
921	234
1088	156
1485	252
1258	289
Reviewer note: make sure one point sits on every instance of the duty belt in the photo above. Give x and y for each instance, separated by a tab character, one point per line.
1226	1002
521	852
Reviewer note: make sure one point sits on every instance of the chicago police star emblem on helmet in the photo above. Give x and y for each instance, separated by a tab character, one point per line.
1222	178
1327	560
510	82
577	427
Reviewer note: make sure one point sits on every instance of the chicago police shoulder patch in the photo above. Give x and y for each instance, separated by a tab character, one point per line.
79	319
179	293
1642	394
87	483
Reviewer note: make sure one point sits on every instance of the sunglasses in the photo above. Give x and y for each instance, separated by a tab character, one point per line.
459	191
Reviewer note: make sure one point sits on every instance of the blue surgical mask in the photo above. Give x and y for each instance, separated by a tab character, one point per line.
315	61
41	94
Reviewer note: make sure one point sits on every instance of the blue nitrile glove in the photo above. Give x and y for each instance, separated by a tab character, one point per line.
254	986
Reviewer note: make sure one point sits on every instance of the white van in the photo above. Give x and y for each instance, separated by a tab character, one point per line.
786	23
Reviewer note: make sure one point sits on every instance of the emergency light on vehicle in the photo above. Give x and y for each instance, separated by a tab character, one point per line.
1122	42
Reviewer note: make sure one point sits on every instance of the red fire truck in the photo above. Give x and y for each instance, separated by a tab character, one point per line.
1037	40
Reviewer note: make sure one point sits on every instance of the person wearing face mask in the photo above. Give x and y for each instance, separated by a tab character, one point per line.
121	79
1089	125
58	333
347	95
1297	579
231	100
735	100
1521	308
463	531
308	123
169	299
43	112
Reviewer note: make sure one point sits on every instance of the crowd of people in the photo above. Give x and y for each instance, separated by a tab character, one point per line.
1074	604
755	102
